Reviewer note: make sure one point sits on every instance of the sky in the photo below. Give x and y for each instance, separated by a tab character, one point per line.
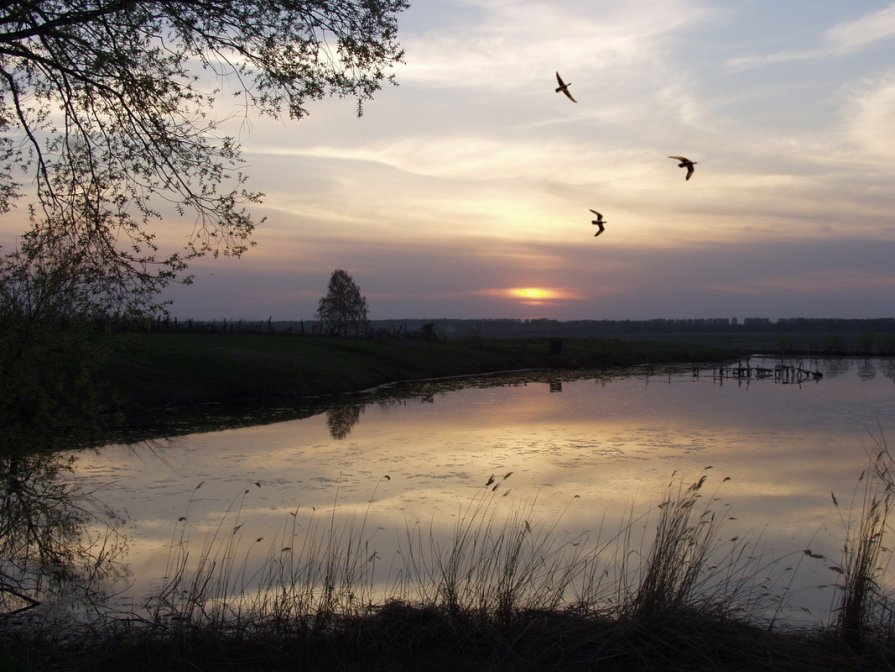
465	191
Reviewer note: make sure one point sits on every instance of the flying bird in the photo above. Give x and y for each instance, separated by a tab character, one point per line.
685	163
599	221
564	88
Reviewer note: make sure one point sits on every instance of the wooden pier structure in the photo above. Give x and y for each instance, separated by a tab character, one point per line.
779	373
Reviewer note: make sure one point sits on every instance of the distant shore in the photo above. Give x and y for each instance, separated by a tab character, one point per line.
152	372
80	387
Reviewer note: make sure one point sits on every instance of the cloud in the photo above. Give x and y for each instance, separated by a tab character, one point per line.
865	30
843	38
870	115
504	47
822	283
740	63
786	278
473	177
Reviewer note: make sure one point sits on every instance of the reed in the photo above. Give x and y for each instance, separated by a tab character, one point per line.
498	561
495	566
689	565
310	573
677	556
863	606
503	590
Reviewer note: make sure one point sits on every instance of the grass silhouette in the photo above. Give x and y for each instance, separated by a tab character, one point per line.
668	589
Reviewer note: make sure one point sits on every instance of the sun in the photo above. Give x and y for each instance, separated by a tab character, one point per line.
532	296
532	293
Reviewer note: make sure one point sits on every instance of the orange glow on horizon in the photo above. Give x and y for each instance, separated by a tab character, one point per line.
532	296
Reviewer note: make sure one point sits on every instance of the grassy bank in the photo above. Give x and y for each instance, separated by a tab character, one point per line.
155	371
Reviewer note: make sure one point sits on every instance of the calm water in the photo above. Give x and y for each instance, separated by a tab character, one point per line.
583	453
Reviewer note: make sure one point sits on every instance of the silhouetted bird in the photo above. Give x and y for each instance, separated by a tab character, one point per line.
685	163
564	88
599	221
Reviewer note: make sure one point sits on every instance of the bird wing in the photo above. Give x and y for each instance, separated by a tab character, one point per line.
564	88
680	158
690	170
597	213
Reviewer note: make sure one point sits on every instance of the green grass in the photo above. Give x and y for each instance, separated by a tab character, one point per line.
154	371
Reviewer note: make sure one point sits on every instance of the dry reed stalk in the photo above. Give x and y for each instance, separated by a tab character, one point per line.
862	602
497	564
678	554
689	565
497	567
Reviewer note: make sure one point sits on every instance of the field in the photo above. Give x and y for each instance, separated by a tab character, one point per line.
153	371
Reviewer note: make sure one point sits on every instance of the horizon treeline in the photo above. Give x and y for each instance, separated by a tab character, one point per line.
591	326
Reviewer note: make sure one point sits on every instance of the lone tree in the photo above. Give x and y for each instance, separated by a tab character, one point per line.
343	308
107	115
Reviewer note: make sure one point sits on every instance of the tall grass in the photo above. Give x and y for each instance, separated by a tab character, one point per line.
863	605
669	587
690	566
497	562
310	572
492	566
678	556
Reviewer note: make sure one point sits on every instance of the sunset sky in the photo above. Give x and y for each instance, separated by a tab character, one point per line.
465	191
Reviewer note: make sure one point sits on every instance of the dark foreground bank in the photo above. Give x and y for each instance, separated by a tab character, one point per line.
402	638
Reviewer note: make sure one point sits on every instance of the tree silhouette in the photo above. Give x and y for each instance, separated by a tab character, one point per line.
107	109
343	309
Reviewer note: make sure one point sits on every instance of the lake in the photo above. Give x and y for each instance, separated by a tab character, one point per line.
575	456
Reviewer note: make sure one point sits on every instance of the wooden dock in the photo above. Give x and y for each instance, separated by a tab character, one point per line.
779	373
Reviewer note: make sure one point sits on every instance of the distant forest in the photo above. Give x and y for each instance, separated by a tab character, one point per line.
525	328
801	334
509	328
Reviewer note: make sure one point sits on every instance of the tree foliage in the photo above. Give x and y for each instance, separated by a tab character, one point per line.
106	108
343	309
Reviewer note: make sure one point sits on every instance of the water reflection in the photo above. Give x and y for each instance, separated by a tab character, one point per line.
586	456
866	369
341	419
837	367
887	368
52	542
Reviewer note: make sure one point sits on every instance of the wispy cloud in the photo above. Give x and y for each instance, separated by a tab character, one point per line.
740	63
816	282
512	43
865	30
841	39
870	116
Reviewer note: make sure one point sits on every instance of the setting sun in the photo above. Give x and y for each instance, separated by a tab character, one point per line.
532	293
532	296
